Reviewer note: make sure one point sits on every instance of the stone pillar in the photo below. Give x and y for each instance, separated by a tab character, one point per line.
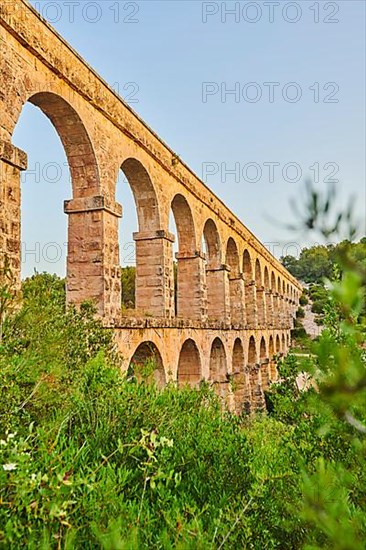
261	307
12	162
93	269
192	290
250	304
237	300
258	401
154	273
269	308
218	293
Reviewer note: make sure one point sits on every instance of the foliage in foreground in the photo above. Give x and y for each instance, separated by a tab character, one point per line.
91	460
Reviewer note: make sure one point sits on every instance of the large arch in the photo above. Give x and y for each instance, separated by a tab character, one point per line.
218	302
252	352
190	264
189	365
236	283
151	244
87	216
147	364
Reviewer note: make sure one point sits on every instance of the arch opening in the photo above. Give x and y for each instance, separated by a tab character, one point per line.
147	365
189	365
76	164
236	284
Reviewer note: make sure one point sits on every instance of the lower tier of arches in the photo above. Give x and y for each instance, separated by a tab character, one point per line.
239	364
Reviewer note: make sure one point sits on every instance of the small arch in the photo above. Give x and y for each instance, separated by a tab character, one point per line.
247	266
266	278
283	288
189	365
144	194
213	244
185	224
263	349
283	344
271	347
238	357
218	364
273	282
279	285
232	257
146	363
258	274
252	351
278	344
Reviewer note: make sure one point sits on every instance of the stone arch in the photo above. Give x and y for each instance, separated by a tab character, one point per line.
190	274
218	361
185	224
189	364
240	379
262	349
266	278
147	356
213	244
151	245
238	357
75	140
273	282
87	215
247	266
252	351
250	295
272	364
283	344
258	274
278	344
279	289
218	301
260	294
236	283
264	364
232	257
144	193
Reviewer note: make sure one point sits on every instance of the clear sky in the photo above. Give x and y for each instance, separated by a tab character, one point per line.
297	73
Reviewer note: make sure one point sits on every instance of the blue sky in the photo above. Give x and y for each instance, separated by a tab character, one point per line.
163	61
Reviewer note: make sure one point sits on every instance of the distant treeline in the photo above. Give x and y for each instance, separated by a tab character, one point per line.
319	262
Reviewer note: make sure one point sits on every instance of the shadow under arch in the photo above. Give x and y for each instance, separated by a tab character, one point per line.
240	379
147	365
218	368
189	365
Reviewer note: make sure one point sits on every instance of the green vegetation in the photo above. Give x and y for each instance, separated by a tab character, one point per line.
320	262
91	459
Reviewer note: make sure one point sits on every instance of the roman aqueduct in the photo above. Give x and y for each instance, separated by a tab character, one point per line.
235	302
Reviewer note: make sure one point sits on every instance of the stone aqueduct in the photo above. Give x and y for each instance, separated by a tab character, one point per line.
235	301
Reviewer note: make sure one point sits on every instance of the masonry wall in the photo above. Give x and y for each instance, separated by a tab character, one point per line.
232	283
